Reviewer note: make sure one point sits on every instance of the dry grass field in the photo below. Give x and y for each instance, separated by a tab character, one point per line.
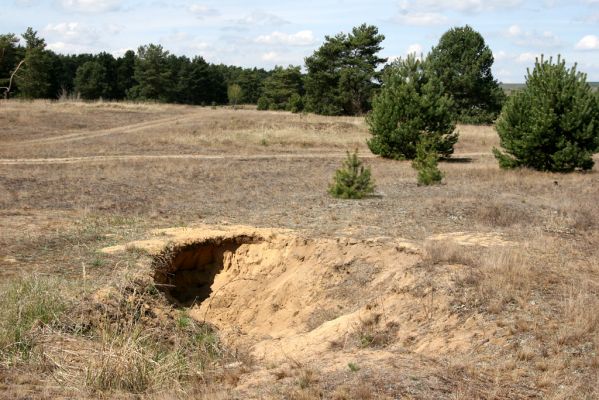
484	287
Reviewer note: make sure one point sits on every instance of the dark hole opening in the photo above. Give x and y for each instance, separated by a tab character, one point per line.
186	274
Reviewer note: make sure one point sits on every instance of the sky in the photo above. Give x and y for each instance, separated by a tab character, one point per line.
265	33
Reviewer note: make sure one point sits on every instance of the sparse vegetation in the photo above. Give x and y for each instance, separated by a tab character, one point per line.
352	180
28	302
553	123
482	288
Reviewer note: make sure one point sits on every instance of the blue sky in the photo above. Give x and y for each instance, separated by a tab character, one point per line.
265	33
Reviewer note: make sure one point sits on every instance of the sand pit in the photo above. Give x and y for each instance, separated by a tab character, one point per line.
284	295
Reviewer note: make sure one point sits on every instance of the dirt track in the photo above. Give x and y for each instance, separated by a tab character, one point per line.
73	160
144	157
81	135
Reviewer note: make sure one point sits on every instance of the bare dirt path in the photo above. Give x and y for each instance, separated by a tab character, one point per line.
80	135
136	157
143	157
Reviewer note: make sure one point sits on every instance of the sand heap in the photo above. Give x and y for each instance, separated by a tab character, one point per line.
284	295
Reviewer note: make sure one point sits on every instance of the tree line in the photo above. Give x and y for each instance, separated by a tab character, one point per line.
150	74
341	77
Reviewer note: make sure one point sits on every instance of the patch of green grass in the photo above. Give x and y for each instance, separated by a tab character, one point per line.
353	367
26	302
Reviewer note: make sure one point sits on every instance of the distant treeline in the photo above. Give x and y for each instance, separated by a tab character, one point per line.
150	74
342	76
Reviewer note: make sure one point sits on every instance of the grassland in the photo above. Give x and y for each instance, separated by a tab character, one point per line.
78	177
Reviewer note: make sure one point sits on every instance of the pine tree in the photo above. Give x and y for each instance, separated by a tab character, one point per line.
280	87
34	80
553	123
462	61
90	81
426	162
410	105
353	180
152	74
342	73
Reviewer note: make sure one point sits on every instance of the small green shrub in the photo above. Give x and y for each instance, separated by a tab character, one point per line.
296	103
353	180
263	103
426	163
552	124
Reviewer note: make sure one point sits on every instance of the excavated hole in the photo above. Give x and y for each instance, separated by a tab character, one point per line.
186	273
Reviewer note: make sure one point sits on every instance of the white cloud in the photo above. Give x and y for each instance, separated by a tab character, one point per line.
26	3
514	31
69	48
301	38
121	52
501	56
526	58
421	18
414	49
71	33
200	46
203	11
270	56
466	6
260	18
521	37
589	42
91	6
115	28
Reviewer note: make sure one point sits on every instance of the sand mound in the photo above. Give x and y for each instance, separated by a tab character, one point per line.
286	296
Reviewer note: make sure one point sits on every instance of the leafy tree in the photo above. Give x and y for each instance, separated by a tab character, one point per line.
235	94
34	78
426	162
342	73
410	106
352	180
463	62
280	86
553	123
90	81
152	74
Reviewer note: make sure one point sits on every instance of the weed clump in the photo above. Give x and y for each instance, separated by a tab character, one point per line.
353	180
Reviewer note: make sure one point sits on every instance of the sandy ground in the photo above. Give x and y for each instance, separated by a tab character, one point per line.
484	287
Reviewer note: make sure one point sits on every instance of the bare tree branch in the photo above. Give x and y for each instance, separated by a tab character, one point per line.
7	88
